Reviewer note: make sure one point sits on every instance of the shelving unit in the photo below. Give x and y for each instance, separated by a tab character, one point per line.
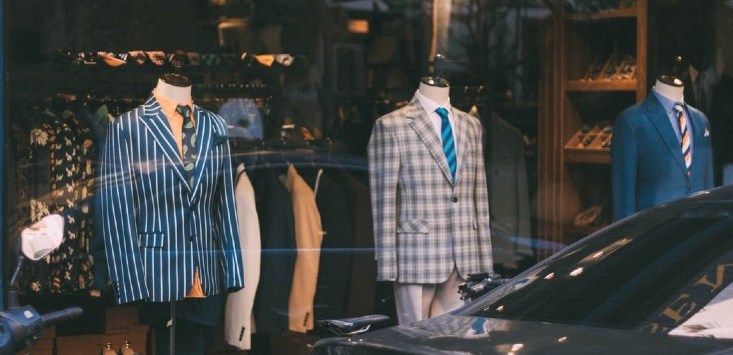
588	81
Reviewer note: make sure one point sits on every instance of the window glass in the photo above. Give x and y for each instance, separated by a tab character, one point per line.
651	274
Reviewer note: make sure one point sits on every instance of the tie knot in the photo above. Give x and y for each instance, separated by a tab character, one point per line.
678	107
184	110
442	112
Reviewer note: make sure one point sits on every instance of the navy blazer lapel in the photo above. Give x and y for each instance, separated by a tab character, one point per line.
461	131
425	130
203	145
660	120
157	124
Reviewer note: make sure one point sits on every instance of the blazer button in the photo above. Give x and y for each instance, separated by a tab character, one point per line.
455	199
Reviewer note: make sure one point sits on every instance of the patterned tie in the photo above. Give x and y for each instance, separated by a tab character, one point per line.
685	133
446	135
189	141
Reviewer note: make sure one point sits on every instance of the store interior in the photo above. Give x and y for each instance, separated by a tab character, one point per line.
301	83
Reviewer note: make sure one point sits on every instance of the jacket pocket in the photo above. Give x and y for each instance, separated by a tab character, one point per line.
152	240
420	226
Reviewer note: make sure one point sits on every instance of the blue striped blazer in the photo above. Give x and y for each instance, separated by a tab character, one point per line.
158	229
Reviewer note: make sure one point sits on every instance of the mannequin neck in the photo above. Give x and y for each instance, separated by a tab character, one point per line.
181	95
674	93
438	94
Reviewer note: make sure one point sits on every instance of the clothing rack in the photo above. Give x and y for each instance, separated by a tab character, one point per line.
134	73
161	59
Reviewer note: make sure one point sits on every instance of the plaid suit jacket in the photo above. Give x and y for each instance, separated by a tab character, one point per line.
157	229
423	223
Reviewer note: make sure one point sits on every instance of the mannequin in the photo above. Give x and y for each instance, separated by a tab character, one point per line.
648	165
425	227
168	217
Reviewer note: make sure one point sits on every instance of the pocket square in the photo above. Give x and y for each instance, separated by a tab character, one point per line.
707	133
220	139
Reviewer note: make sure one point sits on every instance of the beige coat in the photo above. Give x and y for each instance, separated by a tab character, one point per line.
308	238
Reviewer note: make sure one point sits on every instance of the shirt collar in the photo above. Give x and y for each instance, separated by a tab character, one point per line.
429	105
169	106
666	102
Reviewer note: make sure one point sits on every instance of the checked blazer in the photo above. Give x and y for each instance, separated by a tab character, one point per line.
647	167
423	223
157	229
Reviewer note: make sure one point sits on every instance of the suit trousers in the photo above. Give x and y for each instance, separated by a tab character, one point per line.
416	302
197	321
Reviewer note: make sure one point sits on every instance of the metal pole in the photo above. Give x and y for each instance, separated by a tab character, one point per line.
172	324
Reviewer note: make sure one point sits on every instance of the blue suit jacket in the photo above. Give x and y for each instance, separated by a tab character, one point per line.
647	166
158	229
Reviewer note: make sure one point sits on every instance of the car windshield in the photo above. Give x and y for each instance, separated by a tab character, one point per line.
667	271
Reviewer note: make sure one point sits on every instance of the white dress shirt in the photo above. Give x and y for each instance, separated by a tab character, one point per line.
430	106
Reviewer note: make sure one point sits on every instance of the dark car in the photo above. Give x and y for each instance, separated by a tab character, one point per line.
656	282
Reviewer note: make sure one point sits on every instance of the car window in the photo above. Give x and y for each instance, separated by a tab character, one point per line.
652	273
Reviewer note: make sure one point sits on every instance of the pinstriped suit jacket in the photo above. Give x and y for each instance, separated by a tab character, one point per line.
157	229
423	223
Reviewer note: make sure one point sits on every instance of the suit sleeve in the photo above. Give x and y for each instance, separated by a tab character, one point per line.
624	165
225	211
481	202
384	161
118	218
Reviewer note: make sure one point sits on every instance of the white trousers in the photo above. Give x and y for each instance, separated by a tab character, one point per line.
422	301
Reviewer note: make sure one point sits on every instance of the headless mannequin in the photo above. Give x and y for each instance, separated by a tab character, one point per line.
421	301
673	90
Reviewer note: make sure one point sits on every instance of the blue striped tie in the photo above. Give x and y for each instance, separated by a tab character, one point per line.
449	147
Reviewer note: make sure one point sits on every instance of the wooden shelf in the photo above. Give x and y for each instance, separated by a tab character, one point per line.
574	162
587	156
604	14
601	85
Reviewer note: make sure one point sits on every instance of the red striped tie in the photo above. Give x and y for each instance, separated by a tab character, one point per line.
685	133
